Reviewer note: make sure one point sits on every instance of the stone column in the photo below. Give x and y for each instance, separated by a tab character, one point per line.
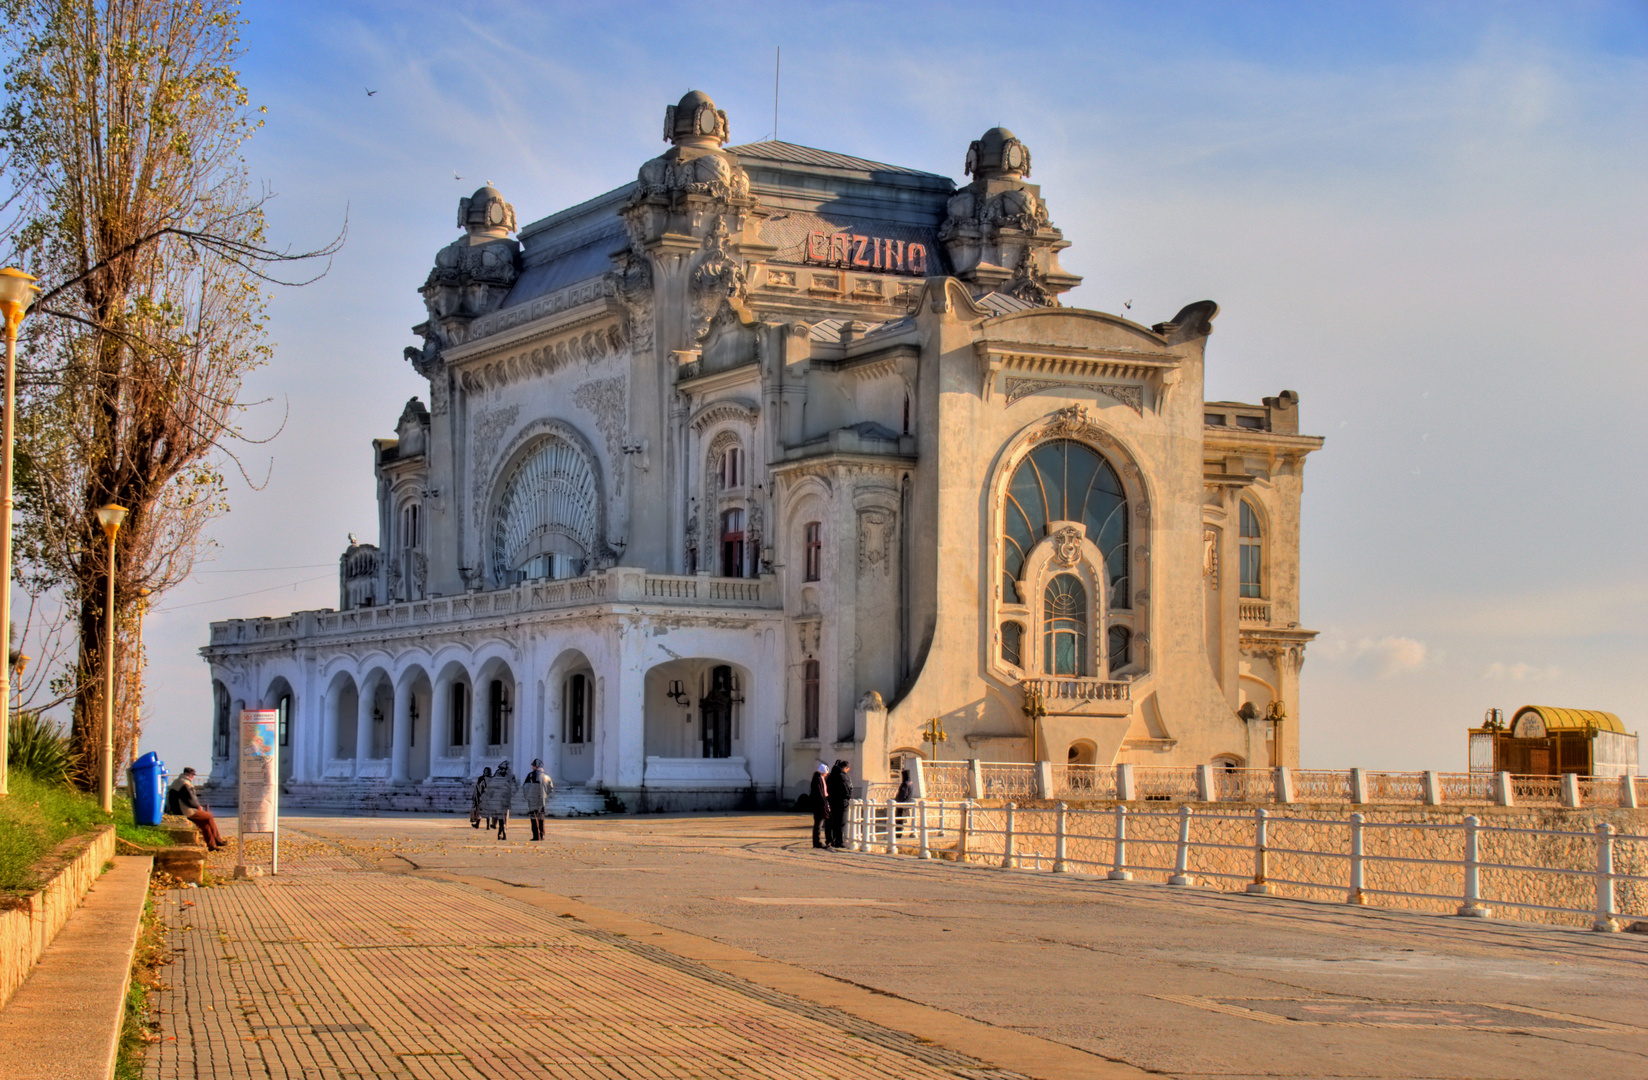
400	739
477	727
440	720
363	725
329	730
623	716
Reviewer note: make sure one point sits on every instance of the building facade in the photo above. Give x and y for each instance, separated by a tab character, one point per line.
774	456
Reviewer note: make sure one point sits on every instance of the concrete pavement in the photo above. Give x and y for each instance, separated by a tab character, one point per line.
1011	971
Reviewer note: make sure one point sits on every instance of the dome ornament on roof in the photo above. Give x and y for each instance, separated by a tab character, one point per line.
695	120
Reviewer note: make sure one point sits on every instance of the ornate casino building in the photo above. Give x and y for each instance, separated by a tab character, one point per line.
770	457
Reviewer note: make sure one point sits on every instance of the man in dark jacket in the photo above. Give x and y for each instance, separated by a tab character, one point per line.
901	797
819	795
182	800
840	788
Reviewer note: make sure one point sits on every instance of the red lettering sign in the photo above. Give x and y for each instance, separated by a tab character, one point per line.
871	252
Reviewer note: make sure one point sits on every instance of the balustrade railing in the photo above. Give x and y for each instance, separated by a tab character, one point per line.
621	584
945	779
1167	783
1084	782
1072	688
1010	780
1244	785
1254	611
1596	878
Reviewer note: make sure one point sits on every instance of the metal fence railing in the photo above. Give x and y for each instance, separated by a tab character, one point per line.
1021	781
1595	877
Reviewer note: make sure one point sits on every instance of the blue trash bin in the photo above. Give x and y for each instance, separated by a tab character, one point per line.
148	792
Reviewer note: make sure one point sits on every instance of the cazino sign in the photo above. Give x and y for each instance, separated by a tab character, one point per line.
866	252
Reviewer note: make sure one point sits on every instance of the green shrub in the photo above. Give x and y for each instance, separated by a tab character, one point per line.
38	747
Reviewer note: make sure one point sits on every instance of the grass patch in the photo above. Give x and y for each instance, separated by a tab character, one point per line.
38	815
138	1030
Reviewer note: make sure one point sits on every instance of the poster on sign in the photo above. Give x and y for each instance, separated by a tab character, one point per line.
259	784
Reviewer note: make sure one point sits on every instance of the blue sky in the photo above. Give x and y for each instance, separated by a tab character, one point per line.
1426	219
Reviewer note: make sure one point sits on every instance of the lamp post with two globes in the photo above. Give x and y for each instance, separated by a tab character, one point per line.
17	291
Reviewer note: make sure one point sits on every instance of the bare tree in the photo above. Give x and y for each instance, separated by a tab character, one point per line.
122	131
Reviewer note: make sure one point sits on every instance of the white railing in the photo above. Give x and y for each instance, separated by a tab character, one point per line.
1567	877
991	780
1254	611
618	585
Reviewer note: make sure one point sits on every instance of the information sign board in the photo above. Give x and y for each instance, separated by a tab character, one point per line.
259	782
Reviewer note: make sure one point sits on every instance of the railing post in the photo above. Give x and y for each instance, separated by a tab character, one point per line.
1473	906
942	809
1044	780
1118	870
1284	785
1357	896
961	830
1059	866
852	826
1359	786
1181	864
918	778
1605	914
1261	854
975	779
1628	791
921	827
1431	788
892	833
1124	782
1570	790
1205	789
1504	793
1007	839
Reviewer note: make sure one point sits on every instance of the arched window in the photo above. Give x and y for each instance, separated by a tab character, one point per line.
410	527
1064	626
498	712
813	563
1119	647
283	719
460	715
809	700
1253	552
1012	643
1064	480
732	467
732	543
549	504
575	710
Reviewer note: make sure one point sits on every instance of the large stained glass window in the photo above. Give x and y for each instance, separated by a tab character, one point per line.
1064	480
1064	626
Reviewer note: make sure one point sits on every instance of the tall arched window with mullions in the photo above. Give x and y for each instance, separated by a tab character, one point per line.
1064	626
1064	480
1253	552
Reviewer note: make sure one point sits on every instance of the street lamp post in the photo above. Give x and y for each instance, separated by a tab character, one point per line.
110	517
17	291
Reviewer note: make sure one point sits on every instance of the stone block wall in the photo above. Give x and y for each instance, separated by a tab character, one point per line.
29	923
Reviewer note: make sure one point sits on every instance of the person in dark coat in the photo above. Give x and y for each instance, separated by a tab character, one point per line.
536	790
901	797
182	801
840	789
475	807
820	796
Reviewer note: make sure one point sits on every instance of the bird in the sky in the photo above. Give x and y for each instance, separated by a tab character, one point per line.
369	91
1128	306
455	176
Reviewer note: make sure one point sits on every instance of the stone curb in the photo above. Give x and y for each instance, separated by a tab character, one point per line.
64	1021
29	924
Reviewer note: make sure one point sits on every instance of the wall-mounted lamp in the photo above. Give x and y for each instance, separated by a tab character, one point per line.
677	693
736	690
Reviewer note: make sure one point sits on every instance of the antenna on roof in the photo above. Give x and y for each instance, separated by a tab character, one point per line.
778	55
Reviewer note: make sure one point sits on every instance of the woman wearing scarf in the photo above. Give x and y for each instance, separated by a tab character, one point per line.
475	806
536	790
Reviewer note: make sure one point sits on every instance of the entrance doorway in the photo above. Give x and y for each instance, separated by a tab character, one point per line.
715	713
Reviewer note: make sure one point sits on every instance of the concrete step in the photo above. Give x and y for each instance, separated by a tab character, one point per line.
64	1021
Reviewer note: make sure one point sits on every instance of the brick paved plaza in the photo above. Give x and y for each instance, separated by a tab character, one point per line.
723	946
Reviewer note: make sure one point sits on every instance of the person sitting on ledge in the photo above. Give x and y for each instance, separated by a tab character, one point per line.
182	800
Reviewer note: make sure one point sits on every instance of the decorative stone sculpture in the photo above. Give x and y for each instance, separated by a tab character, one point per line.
998	232
471	276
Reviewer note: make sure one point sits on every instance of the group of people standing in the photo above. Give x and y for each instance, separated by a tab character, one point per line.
831	791
495	795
